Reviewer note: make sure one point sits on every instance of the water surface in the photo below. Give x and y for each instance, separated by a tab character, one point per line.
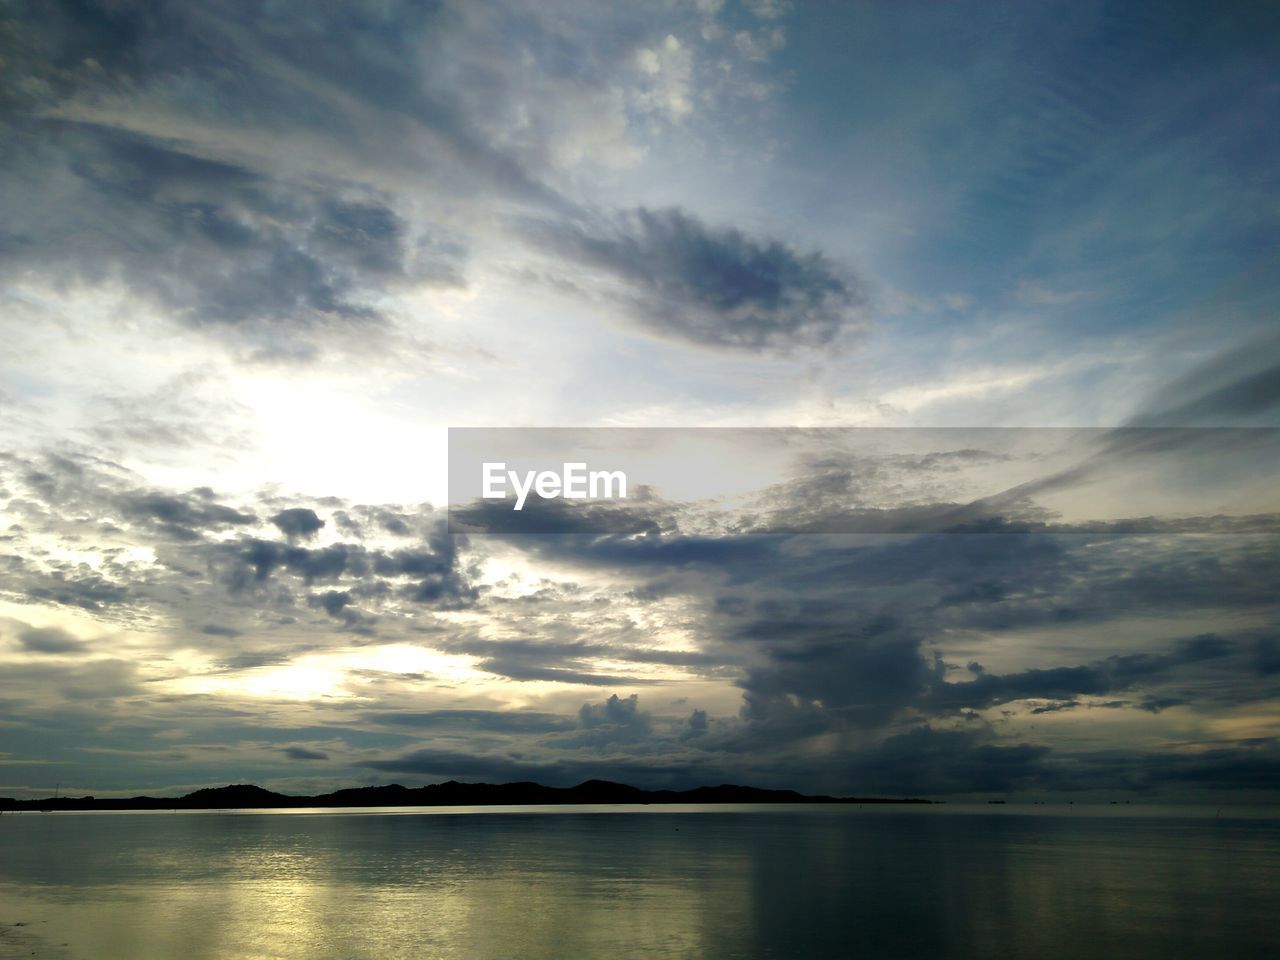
705	882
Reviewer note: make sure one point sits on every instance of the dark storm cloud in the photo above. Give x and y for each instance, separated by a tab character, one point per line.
861	676
1229	765
332	601
995	581
304	753
75	588
847	640
840	635
695	725
1056	707
82	494
359	521
49	640
257	559
710	286
1114	674
1220	573
1152	705
155	554
1156	704
1265	655
297	522
216	630
931	762
815	571
183	517
1248	766
614	712
257	658
433	575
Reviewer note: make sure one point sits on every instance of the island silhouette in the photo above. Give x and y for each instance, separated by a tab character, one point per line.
452	793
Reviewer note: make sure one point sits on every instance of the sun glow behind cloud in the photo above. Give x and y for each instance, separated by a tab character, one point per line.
334	675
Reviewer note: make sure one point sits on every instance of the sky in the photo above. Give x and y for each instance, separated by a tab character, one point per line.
256	260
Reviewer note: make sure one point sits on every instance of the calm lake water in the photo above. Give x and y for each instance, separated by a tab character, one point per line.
563	883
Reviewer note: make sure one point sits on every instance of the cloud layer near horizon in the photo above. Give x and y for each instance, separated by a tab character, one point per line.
351	639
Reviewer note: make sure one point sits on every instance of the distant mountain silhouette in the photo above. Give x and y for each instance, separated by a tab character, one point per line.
246	796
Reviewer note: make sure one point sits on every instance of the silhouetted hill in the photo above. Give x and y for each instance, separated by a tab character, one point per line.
246	796
233	796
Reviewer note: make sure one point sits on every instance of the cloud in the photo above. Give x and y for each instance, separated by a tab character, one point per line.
831	640
276	176
88	681
1156	704
216	630
1266	655
1114	674
432	576
190	183
667	66
1245	766
1216	413
1237	384
184	517
519	669
86	590
49	640
613	724
212	243
297	522
207	160
695	725
478	721
571	661
862	676
614	712
714	287
303	753
332	601
930	761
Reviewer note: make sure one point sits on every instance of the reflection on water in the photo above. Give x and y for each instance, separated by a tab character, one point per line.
807	883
